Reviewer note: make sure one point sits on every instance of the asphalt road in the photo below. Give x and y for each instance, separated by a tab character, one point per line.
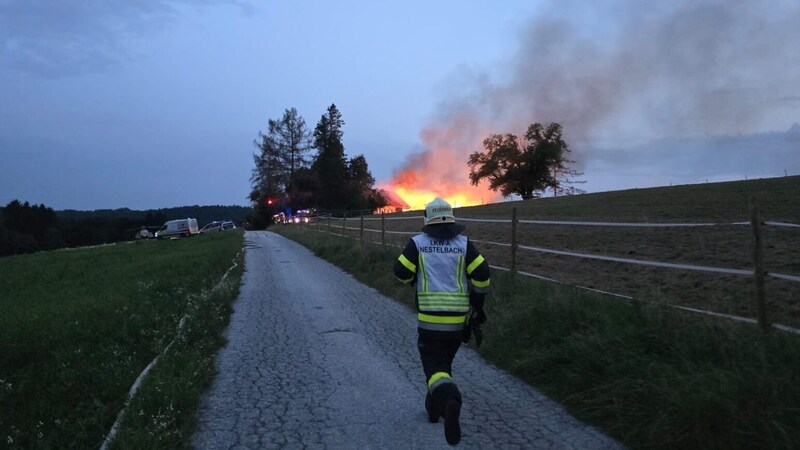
315	360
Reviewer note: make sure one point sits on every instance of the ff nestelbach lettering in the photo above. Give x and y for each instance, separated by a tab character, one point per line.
440	247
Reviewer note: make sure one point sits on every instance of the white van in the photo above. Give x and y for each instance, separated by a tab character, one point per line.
175	228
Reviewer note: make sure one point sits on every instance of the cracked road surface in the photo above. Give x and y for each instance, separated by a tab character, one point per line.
315	360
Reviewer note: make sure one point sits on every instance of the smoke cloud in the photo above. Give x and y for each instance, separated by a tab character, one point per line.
620	74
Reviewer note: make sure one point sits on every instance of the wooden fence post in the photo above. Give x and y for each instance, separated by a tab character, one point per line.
383	229
514	240
344	219
329	223
361	232
759	290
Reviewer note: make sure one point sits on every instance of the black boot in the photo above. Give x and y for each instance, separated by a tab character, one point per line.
452	428
433	412
448	398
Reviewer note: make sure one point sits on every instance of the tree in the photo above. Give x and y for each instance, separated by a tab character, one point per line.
283	176
334	182
330	165
556	151
26	228
360	180
305	185
292	141
281	152
526	169
269	177
360	184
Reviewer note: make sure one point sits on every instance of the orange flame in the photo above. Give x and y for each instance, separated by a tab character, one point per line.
416	193
441	170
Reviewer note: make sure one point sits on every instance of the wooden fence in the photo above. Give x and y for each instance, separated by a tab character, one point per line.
395	231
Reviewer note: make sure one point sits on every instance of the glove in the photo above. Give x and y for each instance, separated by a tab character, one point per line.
476	300
473	327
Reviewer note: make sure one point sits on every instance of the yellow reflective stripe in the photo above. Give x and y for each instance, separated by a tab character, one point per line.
480	284
443	304
440	319
408	264
443	294
438	376
424	272
459	273
444	301
405	281
451	303
474	264
448	309
457	302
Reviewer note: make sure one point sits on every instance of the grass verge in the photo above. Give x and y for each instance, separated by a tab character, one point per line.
80	325
647	375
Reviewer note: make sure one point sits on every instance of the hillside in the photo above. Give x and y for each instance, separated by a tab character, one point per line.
778	199
725	246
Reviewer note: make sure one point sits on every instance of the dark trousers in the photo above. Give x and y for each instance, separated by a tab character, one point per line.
437	355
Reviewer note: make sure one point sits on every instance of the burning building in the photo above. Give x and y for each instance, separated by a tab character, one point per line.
394	203
441	169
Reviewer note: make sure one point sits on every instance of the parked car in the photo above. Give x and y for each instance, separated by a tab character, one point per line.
143	233
212	226
228	225
178	228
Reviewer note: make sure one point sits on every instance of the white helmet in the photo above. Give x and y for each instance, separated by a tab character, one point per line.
438	211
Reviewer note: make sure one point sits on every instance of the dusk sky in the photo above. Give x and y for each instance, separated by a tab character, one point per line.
156	103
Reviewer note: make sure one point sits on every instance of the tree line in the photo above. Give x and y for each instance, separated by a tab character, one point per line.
28	228
287	179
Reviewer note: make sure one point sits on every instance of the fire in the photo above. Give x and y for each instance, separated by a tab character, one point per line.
441	170
418	198
418	185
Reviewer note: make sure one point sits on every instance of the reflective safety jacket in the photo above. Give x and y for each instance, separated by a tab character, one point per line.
443	271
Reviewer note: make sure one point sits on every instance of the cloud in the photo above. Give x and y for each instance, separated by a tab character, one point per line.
52	39
692	159
629	74
653	70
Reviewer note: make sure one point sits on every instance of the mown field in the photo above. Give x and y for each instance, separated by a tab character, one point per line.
726	246
651	376
79	326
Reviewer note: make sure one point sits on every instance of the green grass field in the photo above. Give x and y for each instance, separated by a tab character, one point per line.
648	375
78	327
725	246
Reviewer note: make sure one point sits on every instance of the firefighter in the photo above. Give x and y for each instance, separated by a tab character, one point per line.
451	280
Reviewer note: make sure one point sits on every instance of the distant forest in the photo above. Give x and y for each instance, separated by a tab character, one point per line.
26	228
